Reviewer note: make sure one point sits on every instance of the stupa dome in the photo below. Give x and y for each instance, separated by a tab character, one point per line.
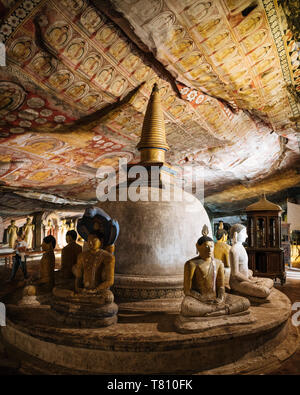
157	235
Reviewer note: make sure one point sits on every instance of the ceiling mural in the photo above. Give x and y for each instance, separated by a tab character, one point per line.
79	74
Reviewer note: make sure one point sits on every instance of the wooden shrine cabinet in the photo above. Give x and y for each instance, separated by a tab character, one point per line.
266	257
286	242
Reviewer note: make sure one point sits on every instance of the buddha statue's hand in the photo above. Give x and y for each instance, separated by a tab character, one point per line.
255	281
201	298
219	301
208	300
89	291
220	295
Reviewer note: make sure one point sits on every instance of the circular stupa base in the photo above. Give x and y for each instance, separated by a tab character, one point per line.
151	345
146	294
145	307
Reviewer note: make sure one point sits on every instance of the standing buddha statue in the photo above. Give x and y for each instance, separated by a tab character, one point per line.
49	228
28	232
12	233
62	231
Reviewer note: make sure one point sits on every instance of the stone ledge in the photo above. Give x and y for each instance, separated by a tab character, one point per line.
197	325
156	329
147	346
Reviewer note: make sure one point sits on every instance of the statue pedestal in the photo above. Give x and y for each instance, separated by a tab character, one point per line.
82	310
197	316
200	324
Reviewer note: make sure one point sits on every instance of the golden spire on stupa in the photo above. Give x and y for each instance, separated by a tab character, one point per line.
153	144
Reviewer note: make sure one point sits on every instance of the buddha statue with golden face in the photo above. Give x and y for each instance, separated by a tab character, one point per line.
72	225
28	232
241	280
94	270
204	285
88	302
221	251
12	232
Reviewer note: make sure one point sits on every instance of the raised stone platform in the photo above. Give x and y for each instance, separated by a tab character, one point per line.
197	325
149	344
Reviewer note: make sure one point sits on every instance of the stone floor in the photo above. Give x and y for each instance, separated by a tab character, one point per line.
291	289
8	367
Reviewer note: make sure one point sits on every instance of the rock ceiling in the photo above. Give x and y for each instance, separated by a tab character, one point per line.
79	73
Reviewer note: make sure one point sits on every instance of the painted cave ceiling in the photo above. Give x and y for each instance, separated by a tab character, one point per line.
79	73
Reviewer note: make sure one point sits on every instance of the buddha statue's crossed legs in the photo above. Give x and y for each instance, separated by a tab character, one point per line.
194	308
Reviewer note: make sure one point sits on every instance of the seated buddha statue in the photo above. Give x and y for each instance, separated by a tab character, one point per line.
241	280
94	270
69	254
204	285
44	284
221	251
47	263
88	302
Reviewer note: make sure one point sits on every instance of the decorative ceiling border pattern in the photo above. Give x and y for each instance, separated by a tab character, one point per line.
18	16
273	19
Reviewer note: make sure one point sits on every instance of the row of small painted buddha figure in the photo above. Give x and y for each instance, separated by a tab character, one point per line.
205	277
93	269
